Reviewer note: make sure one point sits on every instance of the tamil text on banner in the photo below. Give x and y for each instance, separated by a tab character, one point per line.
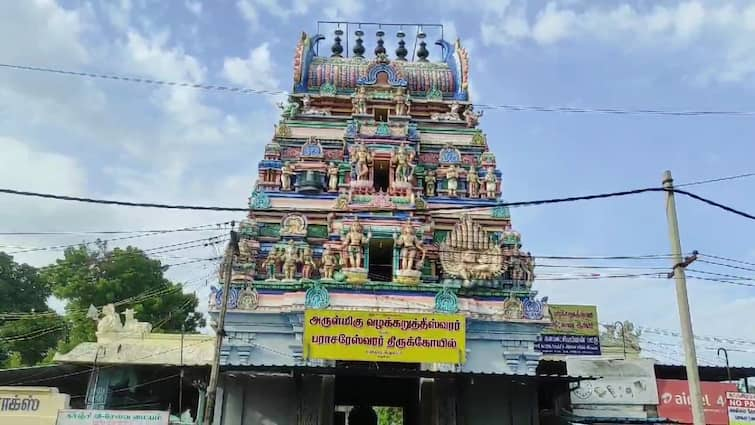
741	408
388	337
31	405
112	417
676	404
574	331
623	382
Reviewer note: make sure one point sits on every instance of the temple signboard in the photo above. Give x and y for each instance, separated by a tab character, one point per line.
112	417
574	331
384	337
31	405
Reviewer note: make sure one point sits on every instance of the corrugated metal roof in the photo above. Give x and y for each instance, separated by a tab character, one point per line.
397	372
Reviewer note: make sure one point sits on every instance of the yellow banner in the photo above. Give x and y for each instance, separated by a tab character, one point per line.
579	320
384	337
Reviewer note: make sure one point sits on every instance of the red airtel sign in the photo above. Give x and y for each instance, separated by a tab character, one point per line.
675	402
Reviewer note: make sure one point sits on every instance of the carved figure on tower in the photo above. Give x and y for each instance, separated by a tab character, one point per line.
430	183
308	109
329	263
359	101
271	263
469	254
473	182
289	109
410	245
289	261
307	261
452	180
361	161
287	172
400	98
354	244
402	158
490	183
333	177
471	117
452	115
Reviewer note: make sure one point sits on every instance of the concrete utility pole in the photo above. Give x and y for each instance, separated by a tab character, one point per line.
698	415
230	254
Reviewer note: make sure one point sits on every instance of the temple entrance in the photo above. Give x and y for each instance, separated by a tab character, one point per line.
361	400
380	267
380	177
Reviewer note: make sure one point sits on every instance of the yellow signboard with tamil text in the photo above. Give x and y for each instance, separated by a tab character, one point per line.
384	337
580	320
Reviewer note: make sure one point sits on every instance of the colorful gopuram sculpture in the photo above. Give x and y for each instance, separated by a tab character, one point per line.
378	176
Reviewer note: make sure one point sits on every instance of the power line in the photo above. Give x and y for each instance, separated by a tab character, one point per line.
715	263
504	107
436	211
715	180
91	242
728	259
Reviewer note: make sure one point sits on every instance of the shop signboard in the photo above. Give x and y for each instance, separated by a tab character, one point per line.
384	337
741	408
676	404
622	382
574	331
112	417
31	405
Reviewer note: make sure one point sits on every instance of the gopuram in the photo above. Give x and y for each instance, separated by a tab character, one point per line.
376	266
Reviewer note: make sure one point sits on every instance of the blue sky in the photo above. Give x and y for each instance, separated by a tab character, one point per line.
126	141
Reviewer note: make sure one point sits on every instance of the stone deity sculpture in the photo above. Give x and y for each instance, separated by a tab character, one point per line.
271	263
473	182
471	117
308	262
329	263
289	261
400	98
452	180
110	321
287	171
308	109
333	177
430	183
410	245
361	161
354	243
402	158
359	101
490	183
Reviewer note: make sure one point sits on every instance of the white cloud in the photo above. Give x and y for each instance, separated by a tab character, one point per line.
248	12
194	7
723	29
331	9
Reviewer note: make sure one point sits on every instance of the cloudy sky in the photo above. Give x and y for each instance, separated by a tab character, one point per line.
128	141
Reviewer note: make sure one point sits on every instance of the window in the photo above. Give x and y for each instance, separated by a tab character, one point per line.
380	176
381	260
381	115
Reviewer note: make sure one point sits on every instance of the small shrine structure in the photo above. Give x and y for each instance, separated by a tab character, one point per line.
378	194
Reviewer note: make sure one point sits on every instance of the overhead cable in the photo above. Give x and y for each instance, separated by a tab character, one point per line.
277	92
435	210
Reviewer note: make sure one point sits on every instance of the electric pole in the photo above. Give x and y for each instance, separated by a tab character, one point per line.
698	414
230	254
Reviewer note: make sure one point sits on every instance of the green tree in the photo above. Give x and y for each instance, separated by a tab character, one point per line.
85	277
390	415
28	327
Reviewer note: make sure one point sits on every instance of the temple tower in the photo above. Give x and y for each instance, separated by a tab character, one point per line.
378	193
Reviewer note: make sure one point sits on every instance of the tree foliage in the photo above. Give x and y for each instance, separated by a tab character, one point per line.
28	327
85	277
390	415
